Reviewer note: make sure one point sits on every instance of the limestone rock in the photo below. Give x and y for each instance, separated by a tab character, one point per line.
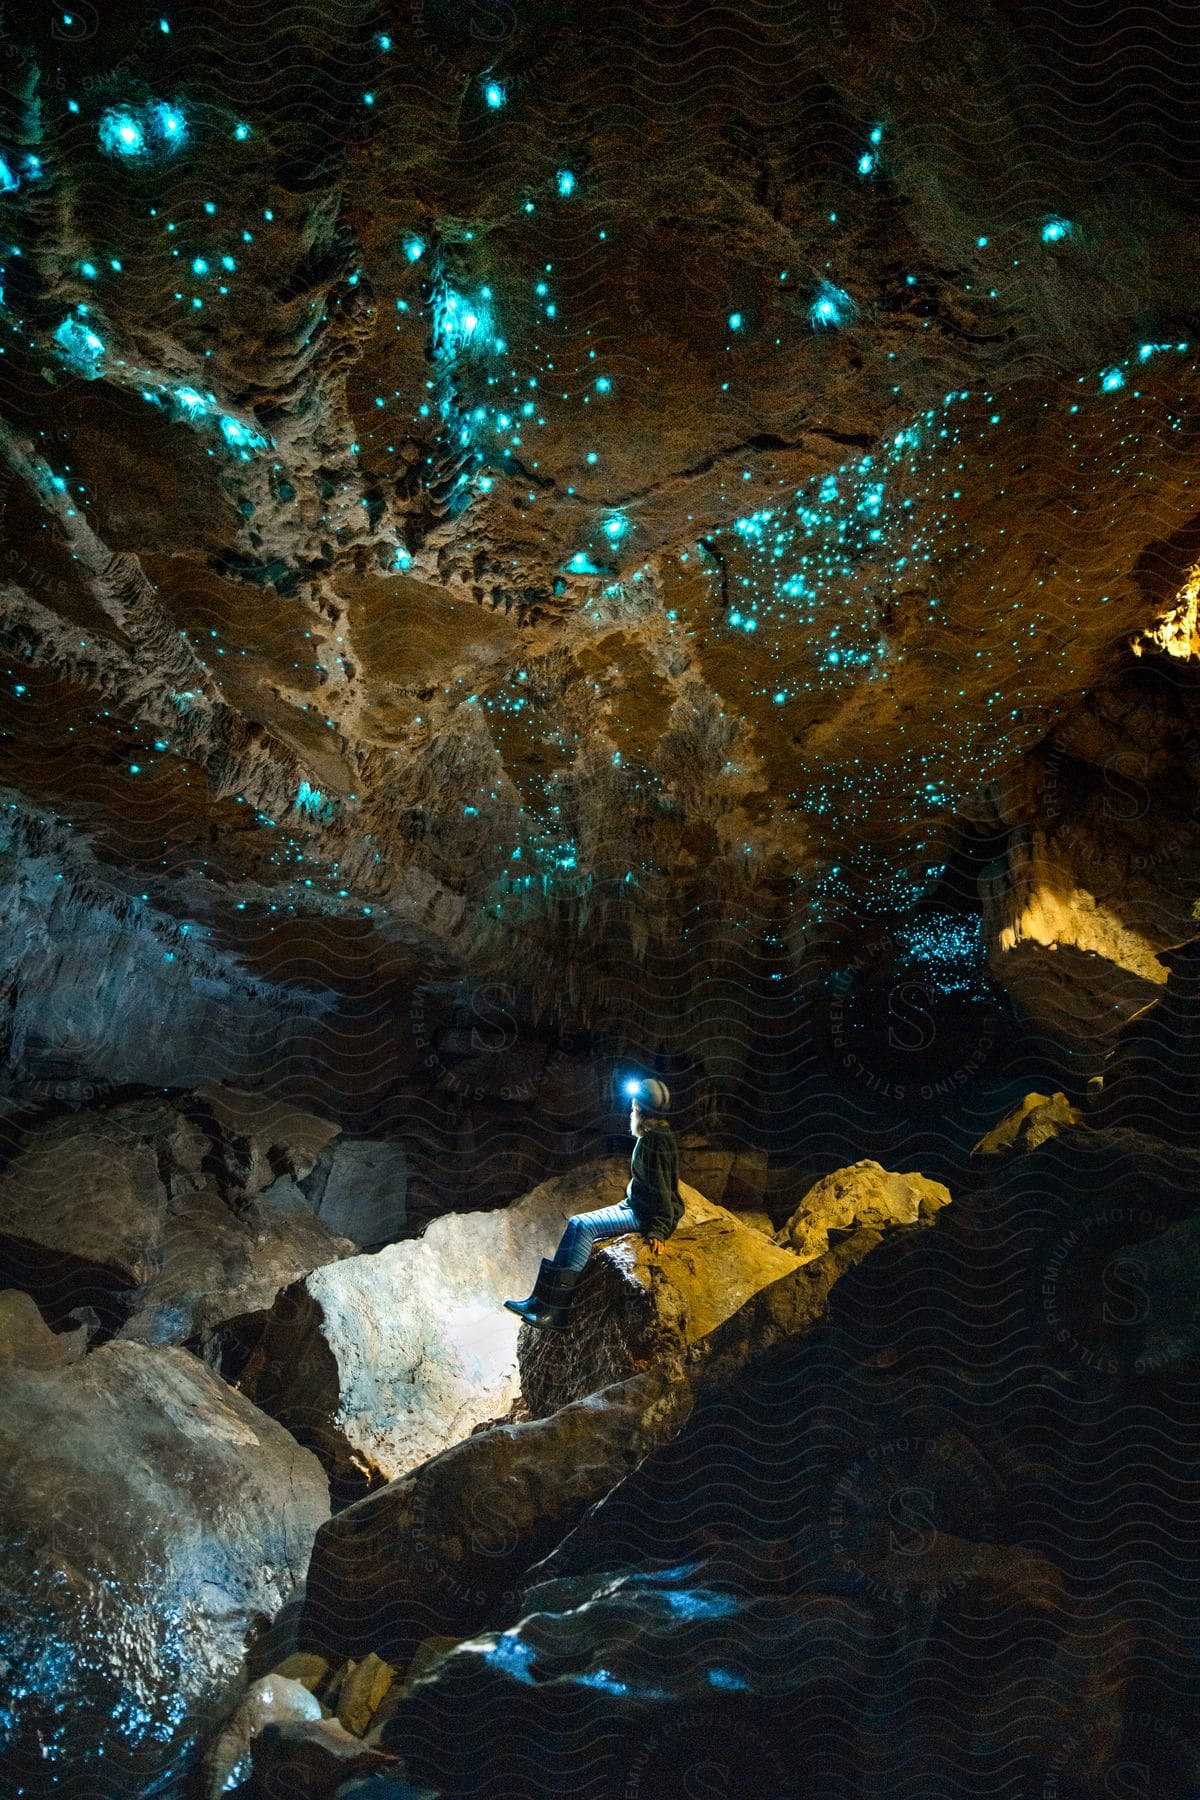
362	1689
218	1265
26	1340
864	1194
358	1189
1039	1116
306	1667
758	1221
705	1167
381	1361
152	1521
268	1701
82	1204
120	1210
434	1551
1152	1078
1073	961
699	1678
733	1178
308	1759
261	1136
634	1308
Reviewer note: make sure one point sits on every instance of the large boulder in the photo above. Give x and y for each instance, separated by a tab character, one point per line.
1152	1078
441	1548
151	1521
1039	1117
358	1189
83	1203
706	1676
1077	957
917	1549
269	1700
26	1341
863	1194
635	1308
381	1361
132	1212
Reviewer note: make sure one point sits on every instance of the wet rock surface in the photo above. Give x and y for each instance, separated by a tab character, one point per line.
153	1522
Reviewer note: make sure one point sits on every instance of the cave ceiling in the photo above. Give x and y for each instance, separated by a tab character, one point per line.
508	483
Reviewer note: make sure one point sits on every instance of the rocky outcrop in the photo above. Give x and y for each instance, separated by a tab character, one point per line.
358	1189
26	1341
101	987
267	1701
905	1550
382	1361
164	1231
442	1548
734	1178
153	1520
713	1676
1038	1118
864	1194
635	1308
1096	893
259	1137
1075	966
1151	1080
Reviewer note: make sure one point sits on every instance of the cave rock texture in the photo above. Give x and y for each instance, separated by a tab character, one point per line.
552	542
534	529
152	1522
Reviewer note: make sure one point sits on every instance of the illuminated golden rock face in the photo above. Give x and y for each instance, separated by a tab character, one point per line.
543	520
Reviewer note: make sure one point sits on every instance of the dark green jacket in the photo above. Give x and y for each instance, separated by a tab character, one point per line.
653	1190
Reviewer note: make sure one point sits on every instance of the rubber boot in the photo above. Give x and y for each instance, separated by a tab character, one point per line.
550	1301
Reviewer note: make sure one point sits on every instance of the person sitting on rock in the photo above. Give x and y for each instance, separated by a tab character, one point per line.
652	1205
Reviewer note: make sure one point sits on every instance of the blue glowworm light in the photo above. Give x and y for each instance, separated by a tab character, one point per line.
120	133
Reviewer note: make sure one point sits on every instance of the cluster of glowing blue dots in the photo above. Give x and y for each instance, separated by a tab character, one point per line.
868	162
138	132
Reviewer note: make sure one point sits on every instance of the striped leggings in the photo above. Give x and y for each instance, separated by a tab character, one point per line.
585	1229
